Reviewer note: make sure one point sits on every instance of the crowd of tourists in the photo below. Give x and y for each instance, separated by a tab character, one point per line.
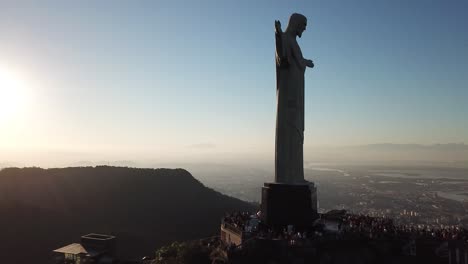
377	227
348	226
238	220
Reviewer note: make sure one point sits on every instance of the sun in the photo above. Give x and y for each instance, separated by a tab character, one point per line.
12	94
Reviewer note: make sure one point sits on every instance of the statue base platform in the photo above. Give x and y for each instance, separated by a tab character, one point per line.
289	204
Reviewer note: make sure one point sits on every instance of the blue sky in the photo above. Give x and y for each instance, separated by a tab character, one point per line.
151	77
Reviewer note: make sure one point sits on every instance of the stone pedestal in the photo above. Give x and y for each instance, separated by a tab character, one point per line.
289	204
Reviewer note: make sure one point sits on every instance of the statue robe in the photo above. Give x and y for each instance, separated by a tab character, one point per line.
290	69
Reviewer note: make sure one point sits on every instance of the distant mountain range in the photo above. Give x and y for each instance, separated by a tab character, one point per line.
42	210
450	154
392	146
437	154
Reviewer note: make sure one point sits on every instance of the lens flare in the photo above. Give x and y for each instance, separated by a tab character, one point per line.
12	94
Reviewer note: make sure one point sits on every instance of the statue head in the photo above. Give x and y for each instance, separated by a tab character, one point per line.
297	24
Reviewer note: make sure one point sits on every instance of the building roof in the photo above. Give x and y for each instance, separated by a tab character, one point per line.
98	236
74	249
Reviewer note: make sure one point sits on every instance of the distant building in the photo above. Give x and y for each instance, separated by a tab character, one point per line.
94	248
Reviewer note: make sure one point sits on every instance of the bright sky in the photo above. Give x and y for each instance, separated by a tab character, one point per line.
144	79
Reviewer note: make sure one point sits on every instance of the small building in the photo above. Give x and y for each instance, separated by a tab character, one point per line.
238	227
231	235
94	248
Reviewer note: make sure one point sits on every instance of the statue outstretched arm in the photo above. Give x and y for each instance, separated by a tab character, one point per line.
278	27
282	51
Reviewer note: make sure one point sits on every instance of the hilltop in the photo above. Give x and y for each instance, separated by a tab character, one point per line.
43	209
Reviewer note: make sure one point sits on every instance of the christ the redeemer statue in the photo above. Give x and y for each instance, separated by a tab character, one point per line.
290	69
290	200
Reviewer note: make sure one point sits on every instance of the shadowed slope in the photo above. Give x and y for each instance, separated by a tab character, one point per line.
44	209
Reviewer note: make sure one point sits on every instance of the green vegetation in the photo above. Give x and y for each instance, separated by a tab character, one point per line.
194	252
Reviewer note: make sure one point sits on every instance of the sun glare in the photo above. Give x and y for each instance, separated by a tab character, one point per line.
12	94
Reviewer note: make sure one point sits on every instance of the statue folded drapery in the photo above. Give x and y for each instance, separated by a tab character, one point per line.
290	69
